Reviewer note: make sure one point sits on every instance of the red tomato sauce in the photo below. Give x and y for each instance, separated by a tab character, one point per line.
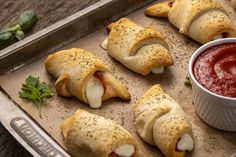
215	69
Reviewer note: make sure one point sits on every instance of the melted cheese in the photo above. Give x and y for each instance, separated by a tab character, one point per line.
104	44
94	92
157	69
126	150
185	143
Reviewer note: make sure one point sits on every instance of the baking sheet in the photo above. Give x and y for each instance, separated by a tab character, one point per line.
208	141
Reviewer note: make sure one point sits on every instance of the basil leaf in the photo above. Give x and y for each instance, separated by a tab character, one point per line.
27	19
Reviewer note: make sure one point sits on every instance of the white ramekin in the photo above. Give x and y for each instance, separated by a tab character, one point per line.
216	110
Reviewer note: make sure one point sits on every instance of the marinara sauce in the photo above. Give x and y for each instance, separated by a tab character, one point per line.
215	69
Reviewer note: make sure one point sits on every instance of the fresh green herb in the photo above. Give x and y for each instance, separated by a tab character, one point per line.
35	91
187	82
27	19
20	35
12	28
10	34
6	39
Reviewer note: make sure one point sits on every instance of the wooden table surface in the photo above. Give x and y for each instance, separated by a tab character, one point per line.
48	12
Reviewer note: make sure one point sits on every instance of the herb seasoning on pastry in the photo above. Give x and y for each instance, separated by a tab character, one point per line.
160	121
84	76
90	135
202	20
142	50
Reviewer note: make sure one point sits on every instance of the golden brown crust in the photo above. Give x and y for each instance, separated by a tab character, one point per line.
160	121
74	67
66	125
188	13
91	135
139	49
146	119
159	10
143	37
114	88
201	20
61	85
110	26
217	21
177	126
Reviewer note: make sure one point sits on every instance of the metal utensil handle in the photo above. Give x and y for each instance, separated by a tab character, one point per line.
34	138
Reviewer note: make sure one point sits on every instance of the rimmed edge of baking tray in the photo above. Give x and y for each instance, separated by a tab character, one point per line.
26	131
19	54
53	37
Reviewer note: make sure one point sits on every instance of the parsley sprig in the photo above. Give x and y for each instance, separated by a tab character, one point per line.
187	82
35	91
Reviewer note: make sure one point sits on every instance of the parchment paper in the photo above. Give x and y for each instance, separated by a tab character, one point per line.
208	141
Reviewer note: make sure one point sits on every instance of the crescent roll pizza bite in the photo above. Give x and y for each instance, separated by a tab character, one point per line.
142	50
160	121
202	20
84	76
90	135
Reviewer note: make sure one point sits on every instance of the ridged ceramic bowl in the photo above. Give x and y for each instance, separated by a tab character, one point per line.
216	110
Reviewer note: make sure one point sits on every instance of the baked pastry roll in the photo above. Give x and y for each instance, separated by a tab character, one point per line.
90	135
160	121
140	49
84	76
202	20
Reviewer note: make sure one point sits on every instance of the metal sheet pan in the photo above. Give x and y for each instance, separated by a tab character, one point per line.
28	58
